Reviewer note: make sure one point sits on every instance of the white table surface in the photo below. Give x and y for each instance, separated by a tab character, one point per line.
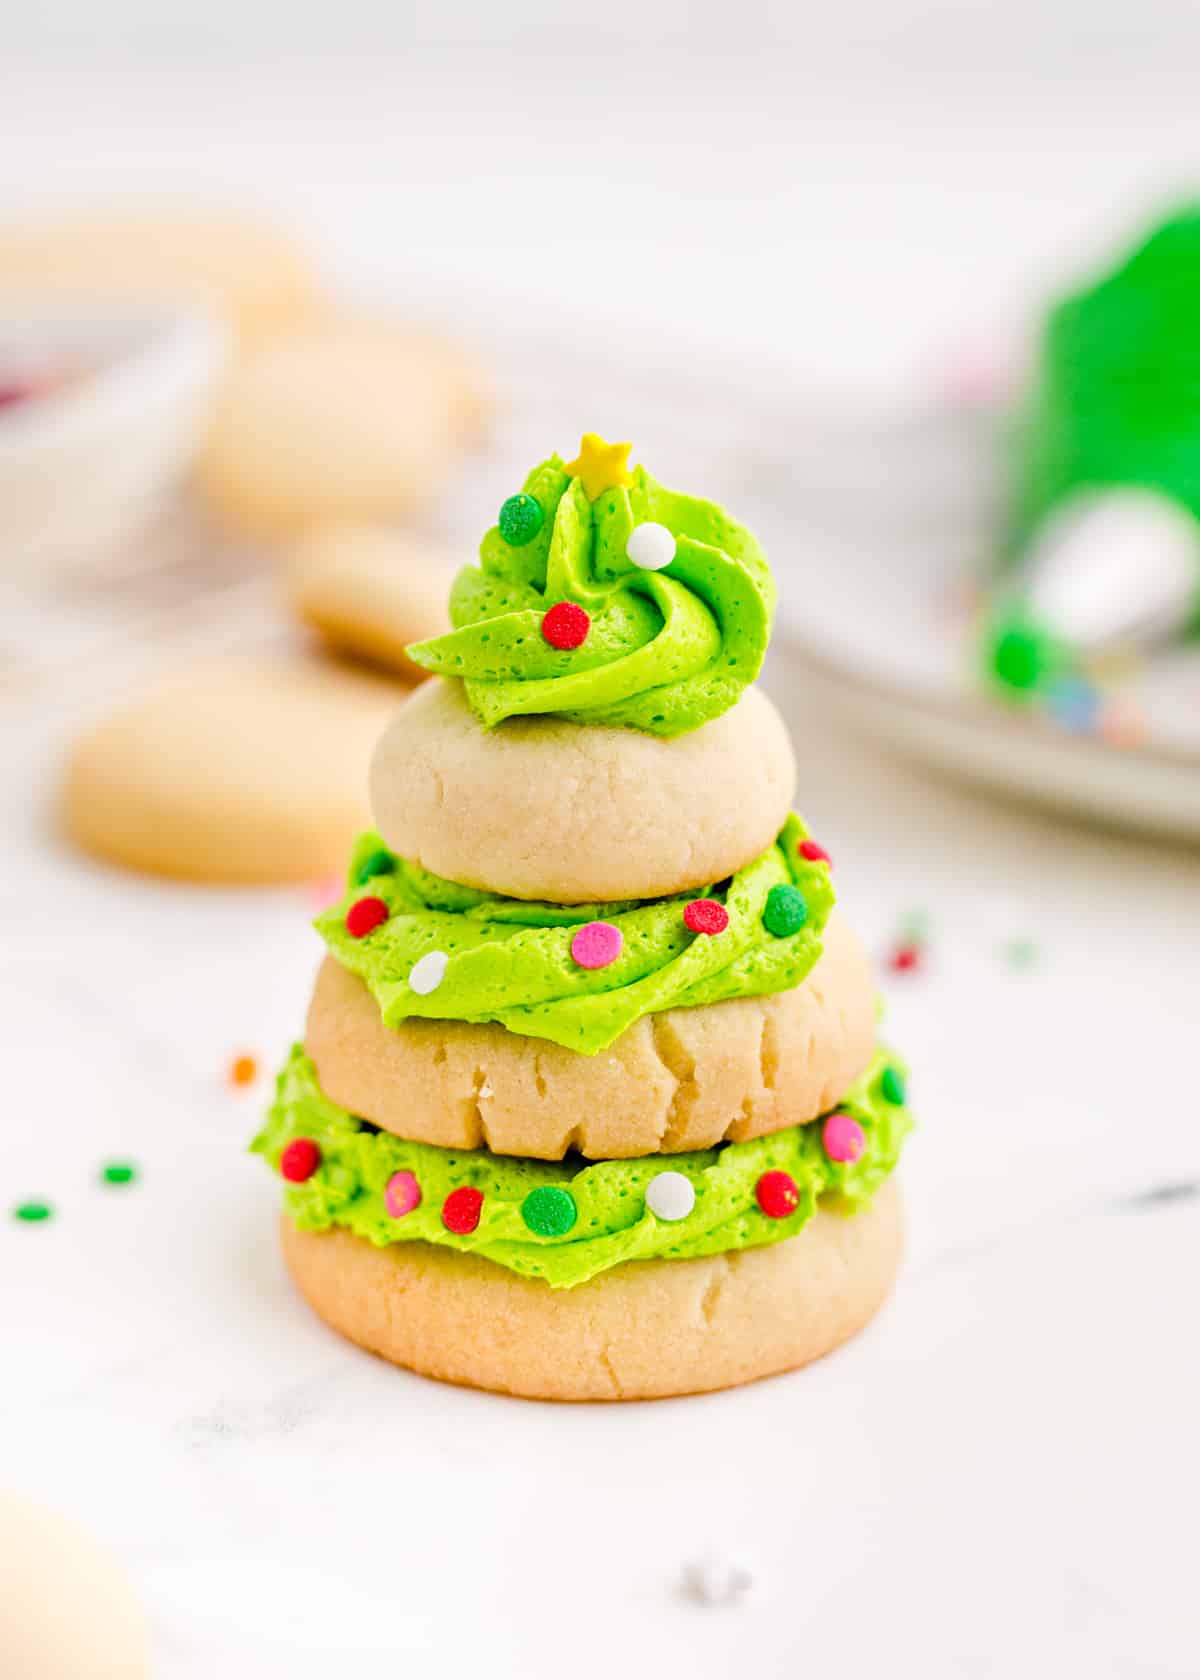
1001	1473
1001	1477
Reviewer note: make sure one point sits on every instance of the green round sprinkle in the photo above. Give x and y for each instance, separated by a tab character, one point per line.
916	924
32	1213
892	1085
521	518
549	1211
1021	657
1021	953
118	1172
785	912
378	863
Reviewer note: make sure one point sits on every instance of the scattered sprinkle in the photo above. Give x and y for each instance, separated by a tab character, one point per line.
566	626
401	1194
915	925
904	958
243	1070
33	1213
785	912
365	915
705	915
596	944
549	1211
670	1196
650	546
814	852
461	1210
1121	724
777	1195
1073	703
428	972
715	1581
892	1085
843	1138
1020	953
521	518
299	1160
118	1172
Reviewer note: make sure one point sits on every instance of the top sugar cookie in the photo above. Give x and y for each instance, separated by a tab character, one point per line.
604	598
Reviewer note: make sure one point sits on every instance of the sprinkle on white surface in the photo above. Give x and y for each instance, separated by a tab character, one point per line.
715	1580
428	972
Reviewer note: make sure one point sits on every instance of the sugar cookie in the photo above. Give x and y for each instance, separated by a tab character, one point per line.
684	1079
369	592
538	808
245	272
66	1607
246	770
344	420
649	1329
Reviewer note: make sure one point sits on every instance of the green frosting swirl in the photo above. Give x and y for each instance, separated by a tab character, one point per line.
510	961
612	1222
666	650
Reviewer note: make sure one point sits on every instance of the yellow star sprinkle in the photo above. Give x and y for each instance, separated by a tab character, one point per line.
600	465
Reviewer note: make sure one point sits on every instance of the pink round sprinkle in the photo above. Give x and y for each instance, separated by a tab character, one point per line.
843	1137
402	1194
596	944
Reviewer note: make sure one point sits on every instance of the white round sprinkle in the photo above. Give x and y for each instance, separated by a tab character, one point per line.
669	1195
428	972
716	1580
650	546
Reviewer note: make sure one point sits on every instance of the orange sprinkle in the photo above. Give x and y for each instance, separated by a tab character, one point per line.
1122	725
243	1070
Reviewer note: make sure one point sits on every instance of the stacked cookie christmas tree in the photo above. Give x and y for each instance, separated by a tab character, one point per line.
589	1104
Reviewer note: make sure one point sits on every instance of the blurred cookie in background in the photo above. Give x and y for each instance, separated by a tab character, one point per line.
369	591
245	272
344	420
246	771
66	1605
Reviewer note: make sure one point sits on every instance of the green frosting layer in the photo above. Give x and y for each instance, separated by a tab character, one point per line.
510	961
666	650
612	1222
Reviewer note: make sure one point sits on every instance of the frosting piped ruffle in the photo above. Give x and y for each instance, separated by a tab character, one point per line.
429	947
566	1221
665	649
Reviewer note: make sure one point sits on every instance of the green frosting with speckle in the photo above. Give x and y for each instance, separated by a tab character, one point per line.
666	650
612	1222
510	961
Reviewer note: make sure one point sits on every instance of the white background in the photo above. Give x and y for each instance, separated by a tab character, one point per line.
1001	1478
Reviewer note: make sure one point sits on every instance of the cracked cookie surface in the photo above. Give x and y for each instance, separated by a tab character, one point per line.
683	1079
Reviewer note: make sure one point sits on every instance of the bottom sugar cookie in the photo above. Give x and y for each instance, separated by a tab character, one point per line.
645	1330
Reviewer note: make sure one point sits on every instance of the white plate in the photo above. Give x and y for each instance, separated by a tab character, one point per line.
876	602
84	466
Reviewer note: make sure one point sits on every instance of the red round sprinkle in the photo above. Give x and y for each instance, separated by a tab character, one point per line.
461	1210
365	915
705	915
777	1195
299	1160
813	852
566	626
13	391
904	957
